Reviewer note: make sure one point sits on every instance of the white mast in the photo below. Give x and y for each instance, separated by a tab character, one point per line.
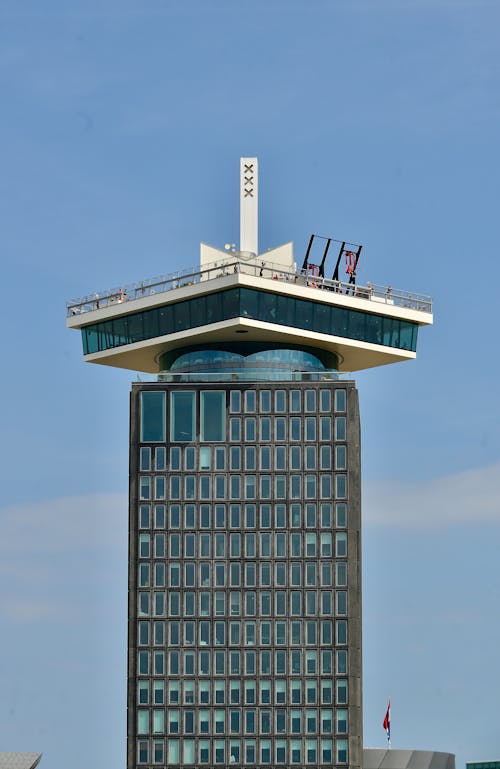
249	205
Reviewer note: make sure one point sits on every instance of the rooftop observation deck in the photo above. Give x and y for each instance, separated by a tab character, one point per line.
162	285
135	325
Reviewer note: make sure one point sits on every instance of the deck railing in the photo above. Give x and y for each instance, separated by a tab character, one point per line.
163	284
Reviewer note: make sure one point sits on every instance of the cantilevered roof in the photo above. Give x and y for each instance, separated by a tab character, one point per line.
115	322
19	760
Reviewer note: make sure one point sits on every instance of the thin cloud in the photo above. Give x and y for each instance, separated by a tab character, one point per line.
62	524
472	496
49	551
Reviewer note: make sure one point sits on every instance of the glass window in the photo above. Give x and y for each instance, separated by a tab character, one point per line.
341	515
310	457
265	451
310	429
205	458
235	402
295	458
280	401
280	429
280	457
219	751
235	429
296	574
325	424
235	545
143	751
152	416
296	691
340	721
250	428
326	515
310	490
159	518
265	400
220	458
182	416
144	516
340	457
235	458
160	458
235	511
311	516
295	401
296	545
295	428
340	428
295	516
341	486
340	400
310	545
310	400
341	576
325	400
175	458
213	415
250	401
341	545
145	458
250	458
326	573
341	751
265	751
145	487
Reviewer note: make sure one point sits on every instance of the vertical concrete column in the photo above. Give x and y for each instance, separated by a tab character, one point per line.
249	205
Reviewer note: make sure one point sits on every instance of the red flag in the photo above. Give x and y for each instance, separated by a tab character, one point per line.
387	721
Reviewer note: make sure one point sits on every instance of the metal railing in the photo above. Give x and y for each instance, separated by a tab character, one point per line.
247	375
163	284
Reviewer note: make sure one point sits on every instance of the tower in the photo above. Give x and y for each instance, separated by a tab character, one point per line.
245	507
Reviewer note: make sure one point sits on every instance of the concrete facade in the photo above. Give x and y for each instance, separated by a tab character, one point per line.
299	702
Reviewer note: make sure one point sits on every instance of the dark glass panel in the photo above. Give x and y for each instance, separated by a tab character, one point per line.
285	310
152	416
406	336
303	314
120	331
340	321
182	316
213	310
322	319
151	324
230	304
267	307
182	416
165	319
213	415
90	339
373	329
357	325
135	327
249	304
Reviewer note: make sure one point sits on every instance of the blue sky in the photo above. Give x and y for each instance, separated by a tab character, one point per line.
122	126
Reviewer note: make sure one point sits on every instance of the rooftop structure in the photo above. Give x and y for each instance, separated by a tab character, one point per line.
236	296
17	760
374	758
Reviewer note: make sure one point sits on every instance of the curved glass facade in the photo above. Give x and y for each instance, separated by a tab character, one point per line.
257	305
247	361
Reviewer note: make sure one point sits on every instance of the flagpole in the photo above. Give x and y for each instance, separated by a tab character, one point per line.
389	732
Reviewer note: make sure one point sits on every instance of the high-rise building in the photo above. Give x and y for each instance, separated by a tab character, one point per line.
245	512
